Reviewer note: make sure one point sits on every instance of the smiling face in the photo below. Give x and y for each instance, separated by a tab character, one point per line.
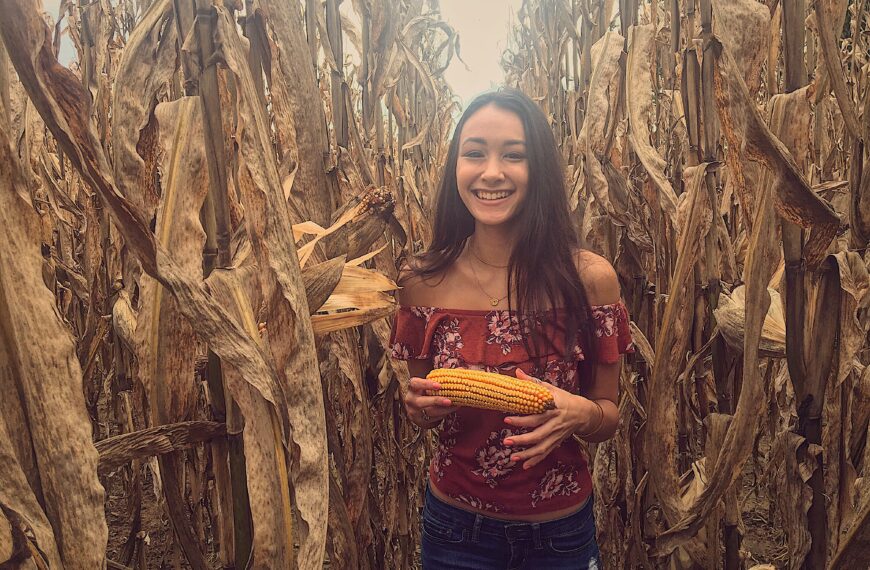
492	169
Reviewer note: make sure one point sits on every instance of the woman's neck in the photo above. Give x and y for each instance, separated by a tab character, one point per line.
492	245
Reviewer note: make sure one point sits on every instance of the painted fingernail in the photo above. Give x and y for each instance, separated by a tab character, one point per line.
515	458
508	421
445	402
508	442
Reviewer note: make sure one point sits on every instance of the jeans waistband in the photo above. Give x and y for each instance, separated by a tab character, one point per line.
479	523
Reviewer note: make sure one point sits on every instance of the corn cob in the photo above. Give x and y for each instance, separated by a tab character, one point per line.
490	391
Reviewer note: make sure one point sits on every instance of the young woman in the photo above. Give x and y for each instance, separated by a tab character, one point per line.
510	491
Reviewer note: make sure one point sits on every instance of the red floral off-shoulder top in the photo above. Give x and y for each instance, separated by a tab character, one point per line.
471	464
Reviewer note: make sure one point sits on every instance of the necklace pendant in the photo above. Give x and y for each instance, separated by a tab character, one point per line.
494	302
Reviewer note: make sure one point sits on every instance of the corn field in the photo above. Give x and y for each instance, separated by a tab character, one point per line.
201	220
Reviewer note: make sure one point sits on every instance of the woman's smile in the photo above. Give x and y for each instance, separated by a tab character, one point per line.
492	196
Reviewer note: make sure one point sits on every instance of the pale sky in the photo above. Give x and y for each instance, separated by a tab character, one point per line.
483	27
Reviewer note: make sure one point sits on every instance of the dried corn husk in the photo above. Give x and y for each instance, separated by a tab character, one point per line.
730	317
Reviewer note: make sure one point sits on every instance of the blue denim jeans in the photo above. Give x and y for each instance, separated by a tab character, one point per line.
462	540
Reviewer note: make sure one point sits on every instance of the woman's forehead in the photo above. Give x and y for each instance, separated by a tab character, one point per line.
491	123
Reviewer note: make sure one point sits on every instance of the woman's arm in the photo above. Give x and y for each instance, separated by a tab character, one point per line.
424	410
600	425
419	368
602	288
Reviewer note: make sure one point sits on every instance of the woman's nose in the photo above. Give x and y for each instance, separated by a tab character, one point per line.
493	170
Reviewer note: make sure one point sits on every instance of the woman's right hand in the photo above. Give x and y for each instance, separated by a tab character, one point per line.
424	410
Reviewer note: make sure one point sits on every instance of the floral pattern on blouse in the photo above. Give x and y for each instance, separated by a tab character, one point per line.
424	313
605	320
577	352
400	351
560	373
443	456
612	321
447	346
494	457
477	503
486	368
504	330
561	480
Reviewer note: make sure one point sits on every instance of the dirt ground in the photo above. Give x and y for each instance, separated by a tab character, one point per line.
763	541
150	540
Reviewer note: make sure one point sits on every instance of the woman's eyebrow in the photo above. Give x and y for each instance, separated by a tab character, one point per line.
474	140
480	140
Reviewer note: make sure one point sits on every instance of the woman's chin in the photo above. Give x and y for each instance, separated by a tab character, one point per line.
493	220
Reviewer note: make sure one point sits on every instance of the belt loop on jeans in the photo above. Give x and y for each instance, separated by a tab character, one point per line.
536	535
475	530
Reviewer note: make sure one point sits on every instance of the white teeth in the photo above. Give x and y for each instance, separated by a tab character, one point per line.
492	195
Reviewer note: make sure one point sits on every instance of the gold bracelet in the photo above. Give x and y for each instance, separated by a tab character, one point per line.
600	422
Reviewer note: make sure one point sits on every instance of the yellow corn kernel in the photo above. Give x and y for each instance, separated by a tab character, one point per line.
490	391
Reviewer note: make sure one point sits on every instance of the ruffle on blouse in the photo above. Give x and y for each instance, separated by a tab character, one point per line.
463	338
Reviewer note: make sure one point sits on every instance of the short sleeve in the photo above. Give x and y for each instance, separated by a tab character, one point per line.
411	335
612	333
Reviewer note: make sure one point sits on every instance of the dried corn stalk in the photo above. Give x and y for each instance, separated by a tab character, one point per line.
334	127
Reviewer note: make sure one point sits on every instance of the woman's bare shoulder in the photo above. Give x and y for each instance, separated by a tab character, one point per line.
415	289
598	277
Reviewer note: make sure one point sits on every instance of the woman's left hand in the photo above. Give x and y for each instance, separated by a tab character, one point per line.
548	429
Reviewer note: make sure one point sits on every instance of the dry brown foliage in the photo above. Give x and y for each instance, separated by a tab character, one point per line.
222	193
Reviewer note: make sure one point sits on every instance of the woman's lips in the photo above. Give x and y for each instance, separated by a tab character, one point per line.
493	201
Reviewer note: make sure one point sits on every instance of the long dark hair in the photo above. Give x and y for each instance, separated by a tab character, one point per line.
542	263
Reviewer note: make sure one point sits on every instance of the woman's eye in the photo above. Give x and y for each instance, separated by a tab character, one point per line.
515	156
472	154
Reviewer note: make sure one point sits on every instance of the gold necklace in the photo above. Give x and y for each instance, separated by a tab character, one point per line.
474	253
494	301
